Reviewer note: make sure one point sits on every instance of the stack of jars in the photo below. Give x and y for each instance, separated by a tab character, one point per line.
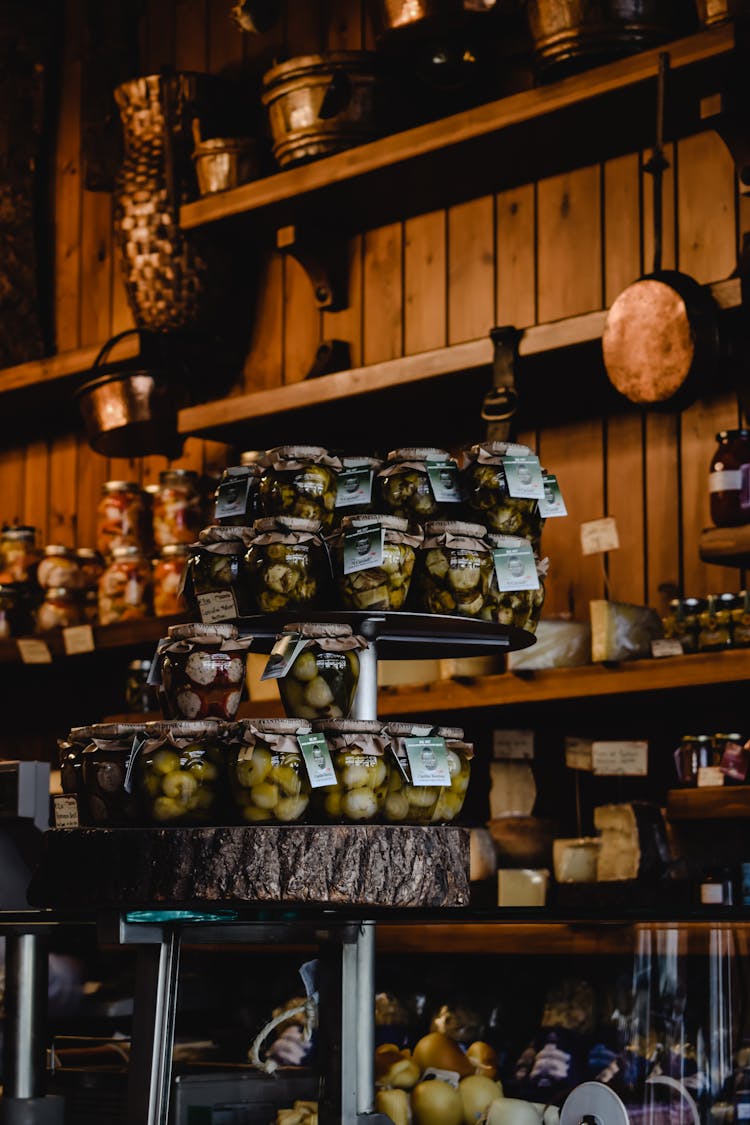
709	624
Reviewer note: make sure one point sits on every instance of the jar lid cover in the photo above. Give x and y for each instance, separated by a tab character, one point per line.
455	527
418	453
106	730
278	726
392	523
314	629
287	523
88	553
54	550
192	629
297	452
348	726
120	486
126	552
184	728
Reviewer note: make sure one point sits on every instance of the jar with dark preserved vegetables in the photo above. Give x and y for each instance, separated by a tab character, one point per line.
288	565
300	481
486	493
728	480
61	608
216	579
681	622
382	584
455	569
59	567
203	671
419	484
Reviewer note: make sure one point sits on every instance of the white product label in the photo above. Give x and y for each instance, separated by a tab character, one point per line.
552	504
742	1111
726	480
66	812
363	548
598	536
578	753
78	639
443	478
666	646
33	651
515	568
283	655
218	605
428	761
523	474
620	759
354	486
712	894
709	776
513	744
317	759
231	498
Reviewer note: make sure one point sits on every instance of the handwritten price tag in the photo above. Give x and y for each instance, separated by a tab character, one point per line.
599	536
620	759
33	651
578	754
513	744
78	639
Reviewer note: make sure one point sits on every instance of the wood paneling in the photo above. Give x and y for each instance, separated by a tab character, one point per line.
516	257
382	329
471	270
425	311
569	247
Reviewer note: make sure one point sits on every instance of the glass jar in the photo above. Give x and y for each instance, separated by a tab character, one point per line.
16	617
267	772
177	516
730	755
377	587
140	695
694	752
355	493
715	623
121	517
323	678
741	620
203	671
521	608
90	567
18	554
300	481
362	771
407	803
216	578
287	565
70	754
90	607
455	569
109	798
484	488
59	567
125	587
728	483
681	622
451	799
61	607
407	489
168	572
237	500
181	772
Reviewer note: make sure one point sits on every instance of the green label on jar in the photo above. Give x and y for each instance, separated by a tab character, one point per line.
363	548
515	568
354	487
444	481
317	759
552	503
283	655
428	761
523	474
231	498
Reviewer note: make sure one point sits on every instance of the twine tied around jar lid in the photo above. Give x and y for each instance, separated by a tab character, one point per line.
293	457
286	529
397	529
492	452
103	731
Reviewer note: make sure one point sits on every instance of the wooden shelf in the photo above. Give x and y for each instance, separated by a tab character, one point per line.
487	148
60	368
124	635
722	802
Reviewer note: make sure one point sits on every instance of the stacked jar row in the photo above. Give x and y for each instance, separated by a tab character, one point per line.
272	771
40	590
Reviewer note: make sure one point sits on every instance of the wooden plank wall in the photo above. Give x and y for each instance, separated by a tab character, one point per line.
563	246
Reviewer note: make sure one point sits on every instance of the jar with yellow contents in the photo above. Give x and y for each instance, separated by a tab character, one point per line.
357	750
267	774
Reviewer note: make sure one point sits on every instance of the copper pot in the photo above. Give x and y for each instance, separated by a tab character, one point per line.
130	410
222	163
565	32
400	15
718	11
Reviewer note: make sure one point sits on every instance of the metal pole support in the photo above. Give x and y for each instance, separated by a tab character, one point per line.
150	1070
366	698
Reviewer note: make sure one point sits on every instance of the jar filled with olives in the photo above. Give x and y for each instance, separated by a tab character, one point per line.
419	484
238	496
522	607
356	486
181	772
358	751
681	622
268	778
300	481
216	580
411	803
202	671
323	677
287	565
487	494
715	623
374	560
106	771
455	569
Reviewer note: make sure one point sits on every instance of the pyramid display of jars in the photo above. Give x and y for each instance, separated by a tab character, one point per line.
320	600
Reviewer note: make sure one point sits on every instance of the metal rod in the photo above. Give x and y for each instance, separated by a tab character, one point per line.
350	1047
366	698
25	1011
150	1071
366	1018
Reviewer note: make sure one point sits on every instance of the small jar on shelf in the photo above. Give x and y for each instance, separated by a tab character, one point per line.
177	515
358	751
419	484
267	772
715	623
216	578
19	555
741	620
59	566
410	803
125	587
168	579
287	564
695	752
520	607
374	558
90	567
122	518
681	622
728	479
203	671
300	481
61	608
109	798
181	772
487	493
323	678
455	569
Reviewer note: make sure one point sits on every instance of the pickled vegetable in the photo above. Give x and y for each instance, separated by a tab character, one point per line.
407	803
485	492
456	569
300	481
217	565
125	587
362	772
177	515
287	565
59	568
122	517
168	571
404	484
320	685
378	587
521	608
270	786
182	782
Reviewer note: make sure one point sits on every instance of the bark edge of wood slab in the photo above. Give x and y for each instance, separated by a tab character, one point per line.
333	865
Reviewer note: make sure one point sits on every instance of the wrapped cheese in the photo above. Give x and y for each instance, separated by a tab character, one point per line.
634	842
622	632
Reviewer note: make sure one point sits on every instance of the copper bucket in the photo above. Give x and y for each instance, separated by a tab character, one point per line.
569	34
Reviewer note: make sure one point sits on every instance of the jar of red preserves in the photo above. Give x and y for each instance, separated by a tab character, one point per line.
177	507
121	518
125	588
729	479
168	571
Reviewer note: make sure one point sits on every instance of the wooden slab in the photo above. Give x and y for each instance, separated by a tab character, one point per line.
331	865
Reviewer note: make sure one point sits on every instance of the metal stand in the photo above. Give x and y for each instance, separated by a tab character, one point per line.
150	1070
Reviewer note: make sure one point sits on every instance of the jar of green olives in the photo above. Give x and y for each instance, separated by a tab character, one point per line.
375	580
300	481
216	580
408	803
419	484
267	774
323	677
521	608
181	772
203	671
109	796
287	565
455	569
358	751
486	495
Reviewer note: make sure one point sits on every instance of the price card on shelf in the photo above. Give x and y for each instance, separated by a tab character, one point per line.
620	759
78	639
513	744
666	646
578	754
33	651
599	536
709	776
65	810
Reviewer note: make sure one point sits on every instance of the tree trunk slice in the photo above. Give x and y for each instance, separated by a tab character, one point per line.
342	865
